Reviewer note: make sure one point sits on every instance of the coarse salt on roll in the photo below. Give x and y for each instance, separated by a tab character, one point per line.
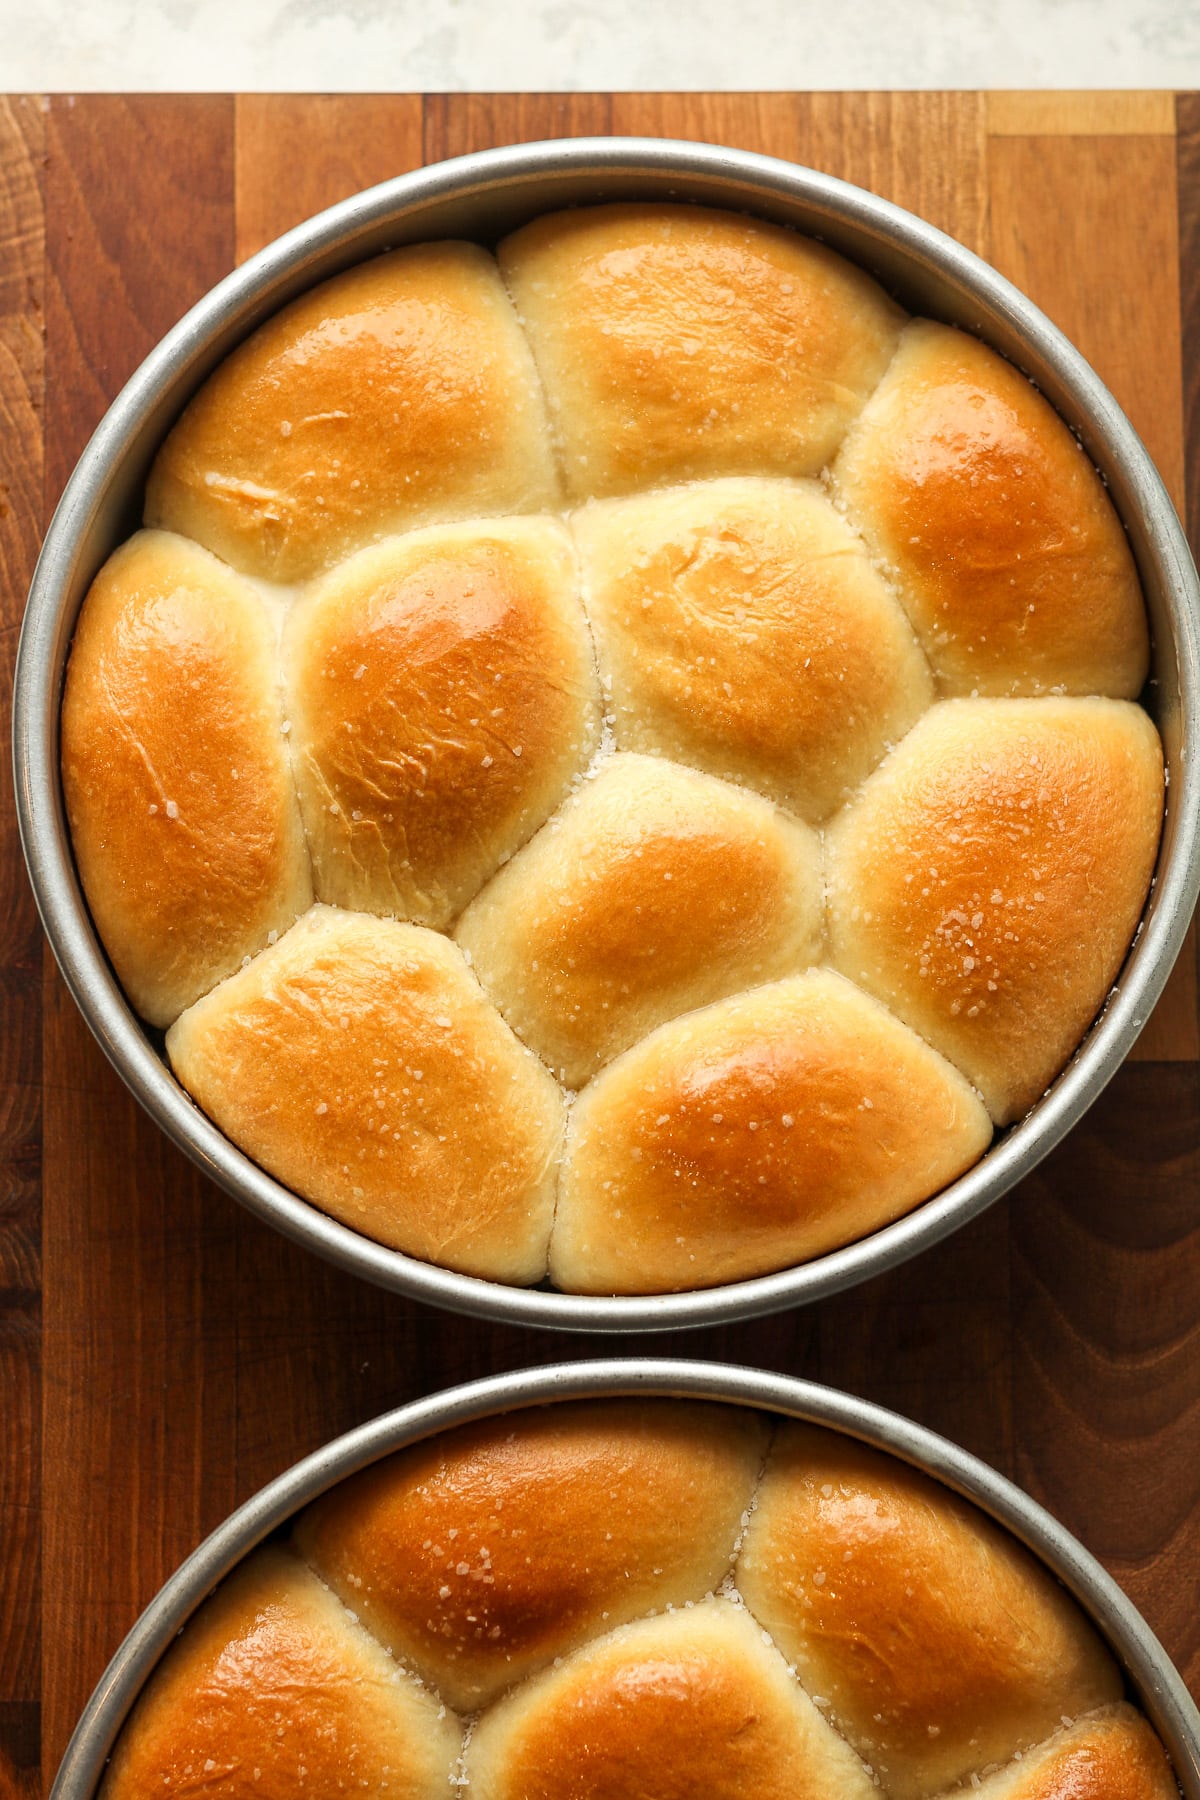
490	1551
752	1134
360	1062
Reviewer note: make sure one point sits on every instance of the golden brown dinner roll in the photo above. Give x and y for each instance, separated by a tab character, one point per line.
183	815
482	1554
361	1064
1109	1755
579	586
442	695
399	393
676	342
743	629
939	1645
753	1134
652	891
986	882
627	1599
691	1704
275	1691
988	515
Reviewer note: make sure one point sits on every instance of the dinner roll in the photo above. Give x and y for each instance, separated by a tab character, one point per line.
939	1644
753	1134
642	1598
995	526
483	1553
742	628
175	771
676	342
652	891
692	1704
359	1061
986	882
399	393
442	695
274	1691
656	610
1109	1755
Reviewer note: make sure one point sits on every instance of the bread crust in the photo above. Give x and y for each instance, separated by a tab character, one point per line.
1109	1755
175	771
694	1703
995	527
361	1063
442	696
399	393
752	1134
274	1690
678	342
741	628
486	1553
653	891
988	879
941	1646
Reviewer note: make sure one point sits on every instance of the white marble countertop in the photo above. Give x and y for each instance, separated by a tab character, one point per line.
68	46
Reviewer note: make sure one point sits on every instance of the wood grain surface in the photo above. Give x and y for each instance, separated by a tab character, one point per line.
161	1353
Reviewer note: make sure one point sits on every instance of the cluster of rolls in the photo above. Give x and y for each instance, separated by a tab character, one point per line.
615	1598
642	665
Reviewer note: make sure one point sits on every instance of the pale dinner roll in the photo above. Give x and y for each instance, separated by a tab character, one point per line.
692	1704
652	891
175	770
359	1061
399	393
275	1691
939	1644
990	518
485	1553
986	882
676	342
741	627
442	695
1109	1755
753	1134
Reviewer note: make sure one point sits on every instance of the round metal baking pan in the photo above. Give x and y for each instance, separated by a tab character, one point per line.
1154	1681
482	197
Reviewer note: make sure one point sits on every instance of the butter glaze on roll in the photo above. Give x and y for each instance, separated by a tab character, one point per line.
940	1645
274	1691
692	1704
361	1063
175	769
653	891
604	605
742	628
641	1598
752	1134
395	395
485	1553
675	342
987	880
442	697
994	525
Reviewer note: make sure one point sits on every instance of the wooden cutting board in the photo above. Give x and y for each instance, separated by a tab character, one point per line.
161	1353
